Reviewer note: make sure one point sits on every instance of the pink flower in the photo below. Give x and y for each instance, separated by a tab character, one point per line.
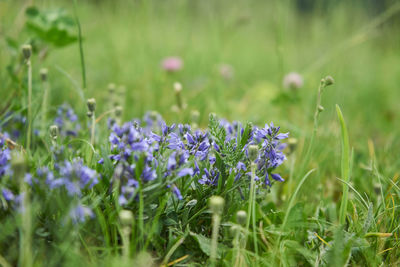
172	64
293	80
226	71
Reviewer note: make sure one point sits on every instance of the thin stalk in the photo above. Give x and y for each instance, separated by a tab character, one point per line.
18	164
345	166
141	211
29	135
26	231
83	69
315	129
126	232
214	238
93	129
45	105
251	209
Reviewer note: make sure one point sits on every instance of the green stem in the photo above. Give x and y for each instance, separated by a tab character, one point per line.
141	211
93	129
44	105
26	220
29	135
314	133
214	238
80	46
345	166
251	209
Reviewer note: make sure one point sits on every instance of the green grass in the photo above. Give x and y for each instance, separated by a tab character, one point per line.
319	218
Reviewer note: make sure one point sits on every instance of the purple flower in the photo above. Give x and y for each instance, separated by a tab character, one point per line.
277	177
7	194
79	213
184	172
172	64
67	121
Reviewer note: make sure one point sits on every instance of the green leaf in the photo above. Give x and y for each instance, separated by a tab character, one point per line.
205	245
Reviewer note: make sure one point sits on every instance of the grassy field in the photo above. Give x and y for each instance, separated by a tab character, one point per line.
299	222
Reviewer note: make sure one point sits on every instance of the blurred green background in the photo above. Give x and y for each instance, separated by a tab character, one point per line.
357	42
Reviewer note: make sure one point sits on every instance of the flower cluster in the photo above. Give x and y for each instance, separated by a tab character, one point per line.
5	157
143	151
67	121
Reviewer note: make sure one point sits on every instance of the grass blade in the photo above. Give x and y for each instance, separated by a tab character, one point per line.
345	165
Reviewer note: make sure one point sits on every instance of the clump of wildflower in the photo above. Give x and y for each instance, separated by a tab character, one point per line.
293	80
172	64
74	176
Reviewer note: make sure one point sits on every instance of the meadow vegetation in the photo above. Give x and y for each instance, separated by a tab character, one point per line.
192	133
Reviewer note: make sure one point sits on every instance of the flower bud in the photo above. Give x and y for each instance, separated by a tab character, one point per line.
253	153
329	80
118	111
53	132
177	87
292	142
241	217
216	204
91	103
320	108
126	217
111	88
43	74
27	51
195	115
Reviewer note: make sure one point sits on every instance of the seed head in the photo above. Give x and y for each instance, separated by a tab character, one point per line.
126	217
253	153
241	217
43	74
54	132
111	88
118	111
91	103
329	80
27	51
216	204
292	142
177	87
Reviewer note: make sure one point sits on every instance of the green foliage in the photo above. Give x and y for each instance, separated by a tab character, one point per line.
54	27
